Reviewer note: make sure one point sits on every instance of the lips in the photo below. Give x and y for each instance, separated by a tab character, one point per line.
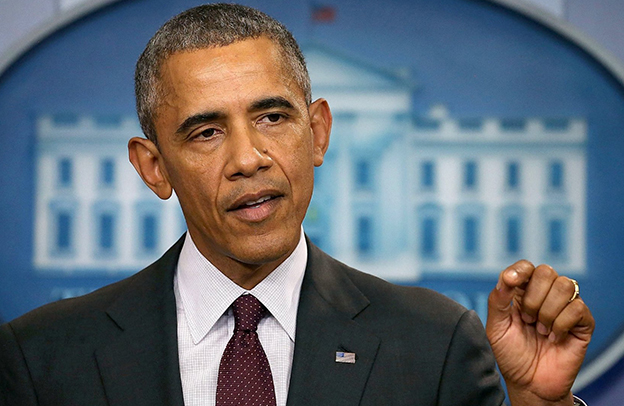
253	200
257	202
255	207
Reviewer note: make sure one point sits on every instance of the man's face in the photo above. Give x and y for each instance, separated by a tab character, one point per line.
238	145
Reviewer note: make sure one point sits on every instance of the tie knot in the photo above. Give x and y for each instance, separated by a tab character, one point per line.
248	311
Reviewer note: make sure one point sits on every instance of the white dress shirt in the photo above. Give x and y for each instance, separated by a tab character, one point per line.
206	323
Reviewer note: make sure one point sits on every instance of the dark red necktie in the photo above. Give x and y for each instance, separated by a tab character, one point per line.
244	373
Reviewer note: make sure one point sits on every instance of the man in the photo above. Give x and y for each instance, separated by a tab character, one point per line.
223	96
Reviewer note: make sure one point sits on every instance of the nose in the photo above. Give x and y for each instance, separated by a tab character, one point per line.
246	153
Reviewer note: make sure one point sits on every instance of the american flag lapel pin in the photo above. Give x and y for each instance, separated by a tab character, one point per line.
345	357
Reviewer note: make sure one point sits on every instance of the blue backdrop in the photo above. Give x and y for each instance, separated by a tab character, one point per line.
479	59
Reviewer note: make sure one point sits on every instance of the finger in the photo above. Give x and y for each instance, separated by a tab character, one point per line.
556	300
536	292
574	319
515	276
518	274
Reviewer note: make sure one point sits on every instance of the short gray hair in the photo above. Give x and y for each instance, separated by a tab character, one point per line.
207	26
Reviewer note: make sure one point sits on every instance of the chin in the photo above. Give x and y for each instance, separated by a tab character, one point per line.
265	249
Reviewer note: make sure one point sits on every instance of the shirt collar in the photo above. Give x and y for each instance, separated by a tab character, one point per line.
205	293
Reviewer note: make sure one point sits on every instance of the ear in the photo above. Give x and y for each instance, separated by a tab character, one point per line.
148	162
320	123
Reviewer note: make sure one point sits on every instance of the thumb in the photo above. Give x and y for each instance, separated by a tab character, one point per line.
500	301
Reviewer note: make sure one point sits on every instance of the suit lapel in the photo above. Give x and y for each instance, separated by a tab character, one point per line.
329	302
139	366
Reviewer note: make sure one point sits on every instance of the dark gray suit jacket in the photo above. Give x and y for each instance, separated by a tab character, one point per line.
118	345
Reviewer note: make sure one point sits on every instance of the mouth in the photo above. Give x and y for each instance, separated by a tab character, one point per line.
253	201
255	207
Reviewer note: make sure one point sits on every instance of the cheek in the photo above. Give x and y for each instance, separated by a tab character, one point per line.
299	160
300	144
195	185
301	178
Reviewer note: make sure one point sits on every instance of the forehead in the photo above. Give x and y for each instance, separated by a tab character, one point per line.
241	67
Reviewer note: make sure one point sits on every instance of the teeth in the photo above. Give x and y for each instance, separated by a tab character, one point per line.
261	200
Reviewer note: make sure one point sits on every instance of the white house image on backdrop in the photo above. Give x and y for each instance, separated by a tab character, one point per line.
399	195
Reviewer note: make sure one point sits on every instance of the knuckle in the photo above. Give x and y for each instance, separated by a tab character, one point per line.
524	263
563	286
545	271
577	310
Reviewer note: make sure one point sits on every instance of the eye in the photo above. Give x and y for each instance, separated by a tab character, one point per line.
205	133
272	118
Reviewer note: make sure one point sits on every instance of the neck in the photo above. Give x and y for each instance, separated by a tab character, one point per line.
246	274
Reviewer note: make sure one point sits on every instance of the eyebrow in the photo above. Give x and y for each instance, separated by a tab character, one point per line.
270	103
200	118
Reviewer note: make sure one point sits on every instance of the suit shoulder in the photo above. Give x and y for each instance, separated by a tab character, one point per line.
83	309
404	298
386	300
71	311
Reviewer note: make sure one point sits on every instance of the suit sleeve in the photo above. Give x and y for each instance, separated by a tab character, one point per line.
16	388
469	377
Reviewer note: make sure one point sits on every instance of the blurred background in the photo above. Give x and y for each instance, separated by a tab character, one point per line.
468	134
